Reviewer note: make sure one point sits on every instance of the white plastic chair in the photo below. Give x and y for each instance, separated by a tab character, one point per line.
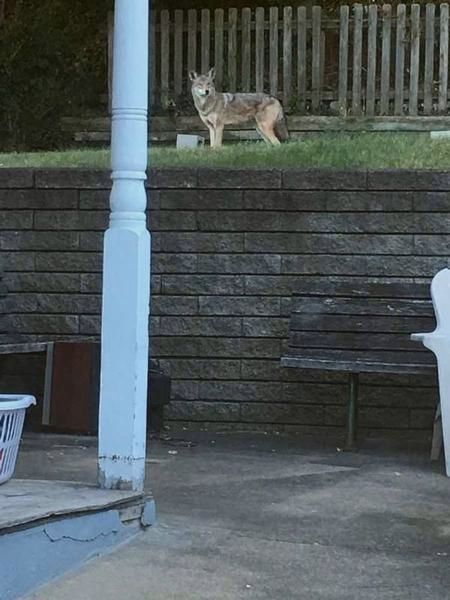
438	342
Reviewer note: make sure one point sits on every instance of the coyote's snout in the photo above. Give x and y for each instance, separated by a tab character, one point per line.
217	110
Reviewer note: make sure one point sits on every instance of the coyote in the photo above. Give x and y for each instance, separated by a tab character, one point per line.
217	110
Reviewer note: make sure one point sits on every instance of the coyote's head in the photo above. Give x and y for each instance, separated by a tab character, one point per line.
203	85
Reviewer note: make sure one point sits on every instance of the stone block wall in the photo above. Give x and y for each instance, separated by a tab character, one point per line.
229	248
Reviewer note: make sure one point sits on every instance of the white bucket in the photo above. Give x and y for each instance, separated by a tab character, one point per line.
12	416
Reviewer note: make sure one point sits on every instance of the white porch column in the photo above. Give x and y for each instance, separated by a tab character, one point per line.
126	266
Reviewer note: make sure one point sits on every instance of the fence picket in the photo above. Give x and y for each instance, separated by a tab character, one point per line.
273	41
343	60
357	59
206	40
414	61
386	59
259	49
287	55
246	48
232	49
218	46
192	40
443	59
301	57
371	60
110	59
400	59
428	85
316	58
165	54
178	53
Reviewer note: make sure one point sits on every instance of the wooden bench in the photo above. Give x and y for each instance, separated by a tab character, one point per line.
361	330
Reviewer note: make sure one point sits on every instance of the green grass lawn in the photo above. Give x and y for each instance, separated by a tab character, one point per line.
362	150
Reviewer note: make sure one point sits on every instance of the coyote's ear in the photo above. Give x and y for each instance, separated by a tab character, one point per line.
192	75
212	74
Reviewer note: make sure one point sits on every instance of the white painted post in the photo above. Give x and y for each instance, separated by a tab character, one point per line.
126	266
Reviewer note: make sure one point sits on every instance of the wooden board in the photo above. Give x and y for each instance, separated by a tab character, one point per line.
371	60
343	60
316	58
36	501
75	387
385	59
273	45
301	57
232	49
429	59
357	59
287	55
400	59
246	51
259	49
414	59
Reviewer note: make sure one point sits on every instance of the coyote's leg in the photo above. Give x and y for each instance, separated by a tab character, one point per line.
268	133
261	133
212	136
218	136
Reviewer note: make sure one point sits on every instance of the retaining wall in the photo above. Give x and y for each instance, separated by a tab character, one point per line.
229	248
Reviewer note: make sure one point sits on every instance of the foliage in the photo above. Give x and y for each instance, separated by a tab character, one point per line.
52	62
340	150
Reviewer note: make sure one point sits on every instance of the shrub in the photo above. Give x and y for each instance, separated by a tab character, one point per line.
52	63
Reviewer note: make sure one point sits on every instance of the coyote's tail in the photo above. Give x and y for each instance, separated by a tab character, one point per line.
281	128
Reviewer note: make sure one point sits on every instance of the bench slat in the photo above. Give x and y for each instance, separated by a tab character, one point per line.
358	289
381	324
362	306
362	341
355	366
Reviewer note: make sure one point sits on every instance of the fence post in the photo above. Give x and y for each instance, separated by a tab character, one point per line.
246	48
343	60
218	46
273	42
192	40
400	59
178	53
206	40
428	85
443	59
165	55
316	58
259	49
414	60
287	56
301	57
386	60
357	58
232	49
371	60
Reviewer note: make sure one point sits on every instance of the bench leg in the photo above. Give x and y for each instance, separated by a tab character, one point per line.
352	411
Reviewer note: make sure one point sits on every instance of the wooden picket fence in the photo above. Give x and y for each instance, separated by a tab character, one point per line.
363	62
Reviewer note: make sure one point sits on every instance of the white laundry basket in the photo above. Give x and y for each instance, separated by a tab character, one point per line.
12	415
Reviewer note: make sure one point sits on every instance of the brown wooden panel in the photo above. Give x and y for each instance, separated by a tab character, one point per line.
75	386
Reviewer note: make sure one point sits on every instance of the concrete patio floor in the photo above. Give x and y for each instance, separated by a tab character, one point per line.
260	517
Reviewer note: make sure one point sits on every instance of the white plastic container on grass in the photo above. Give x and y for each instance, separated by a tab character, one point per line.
12	416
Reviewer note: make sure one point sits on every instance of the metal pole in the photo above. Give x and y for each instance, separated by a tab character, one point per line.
352	411
126	267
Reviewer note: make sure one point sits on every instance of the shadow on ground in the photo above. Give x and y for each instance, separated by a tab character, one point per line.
260	517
